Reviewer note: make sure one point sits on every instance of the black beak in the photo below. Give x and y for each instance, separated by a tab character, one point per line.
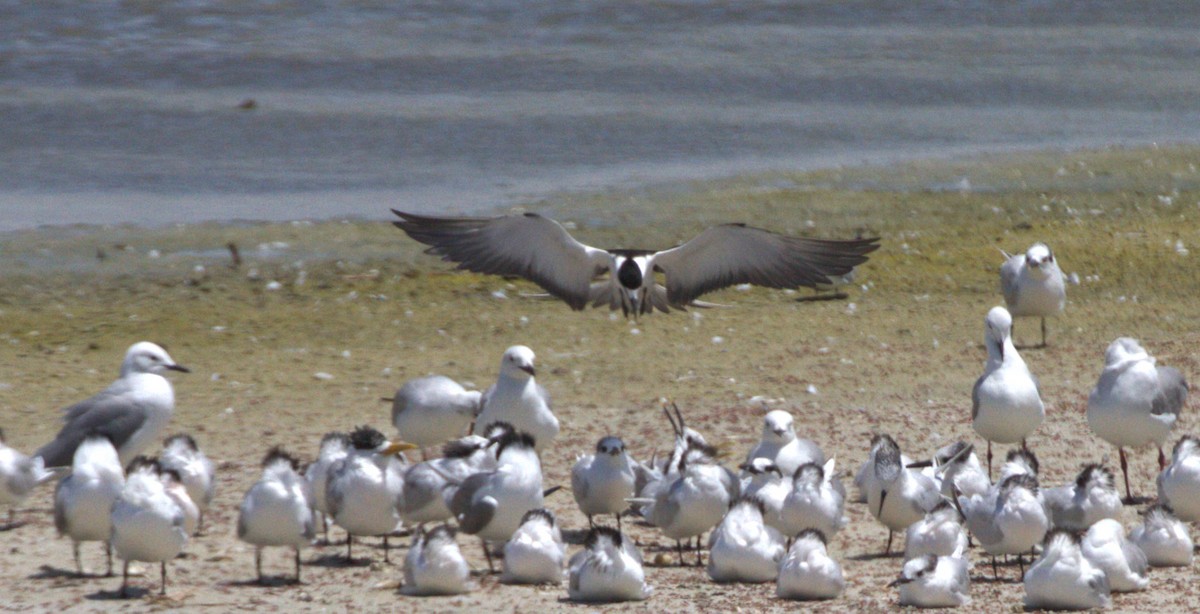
529	370
179	368
920	464
899	581
882	498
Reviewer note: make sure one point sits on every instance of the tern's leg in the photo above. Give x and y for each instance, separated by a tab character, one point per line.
679	551
1021	564
1043	331
297	565
385	549
1162	460
349	545
1125	472
258	563
124	592
888	549
488	555
108	555
995	572
591	523
78	563
989	459
199	523
618	522
324	526
699	552
162	575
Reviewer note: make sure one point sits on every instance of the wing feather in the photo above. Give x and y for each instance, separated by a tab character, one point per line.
115	416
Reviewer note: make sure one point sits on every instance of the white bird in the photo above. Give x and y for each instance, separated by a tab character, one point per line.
898	496
132	412
780	444
601	482
363	488
762	480
1012	523
807	571
1106	546
83	500
334	447
491	504
147	524
19	475
432	410
1064	579
182	455
1033	284
1006	406
939	533
866	472
695	500
541	250
535	553
173	485
934	582
1018	461
743	548
435	565
958	469
1135	403
1078	505
429	486
608	569
817	501
1179	483
1163	538
517	398
277	510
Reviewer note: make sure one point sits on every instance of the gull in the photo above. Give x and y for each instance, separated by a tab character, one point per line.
1179	483
865	477
429	486
1006	405
959	470
276	511
1033	284
934	582
1013	523
334	447
432	410
601	482
1121	560
608	569
540	250
132	412
516	398
1135	403
743	548
535	552
780	444
19	475
83	500
181	454
1163	538
807	571
695	500
362	489
939	533
435	565
1064	579
763	481
898	496
816	501
1078	505
491	504
147	524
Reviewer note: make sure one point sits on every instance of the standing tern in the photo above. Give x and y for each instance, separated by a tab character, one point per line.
807	571
19	475
1179	483
1006	406
865	477
608	569
334	447
517	398
932	581
362	489
1064	579
182	455
83	500
1163	538
1033	284
1106	546
780	444
277	510
435	565
1078	505
601	482
147	524
429	411
535	552
132	412
898	496
1012	523
695	500
1135	403
541	250
743	548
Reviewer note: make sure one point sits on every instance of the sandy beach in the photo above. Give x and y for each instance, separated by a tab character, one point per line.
357	310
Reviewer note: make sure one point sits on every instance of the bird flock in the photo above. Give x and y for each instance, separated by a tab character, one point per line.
766	520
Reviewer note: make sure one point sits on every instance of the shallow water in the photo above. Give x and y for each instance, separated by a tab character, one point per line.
118	112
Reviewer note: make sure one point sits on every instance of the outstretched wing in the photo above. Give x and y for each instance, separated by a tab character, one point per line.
737	254
530	246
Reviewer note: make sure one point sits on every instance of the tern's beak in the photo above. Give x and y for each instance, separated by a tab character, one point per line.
899	581
882	498
179	368
528	369
393	448
919	464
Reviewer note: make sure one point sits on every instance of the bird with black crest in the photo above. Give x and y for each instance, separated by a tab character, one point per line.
362	488
277	509
608	569
196	472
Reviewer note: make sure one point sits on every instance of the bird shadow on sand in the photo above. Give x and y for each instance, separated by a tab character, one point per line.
875	556
340	560
12	526
267	582
1136	500
50	572
131	593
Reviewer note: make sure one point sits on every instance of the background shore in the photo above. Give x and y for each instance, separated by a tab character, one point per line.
356	309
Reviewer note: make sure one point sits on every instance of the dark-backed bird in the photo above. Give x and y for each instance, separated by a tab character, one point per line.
542	251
